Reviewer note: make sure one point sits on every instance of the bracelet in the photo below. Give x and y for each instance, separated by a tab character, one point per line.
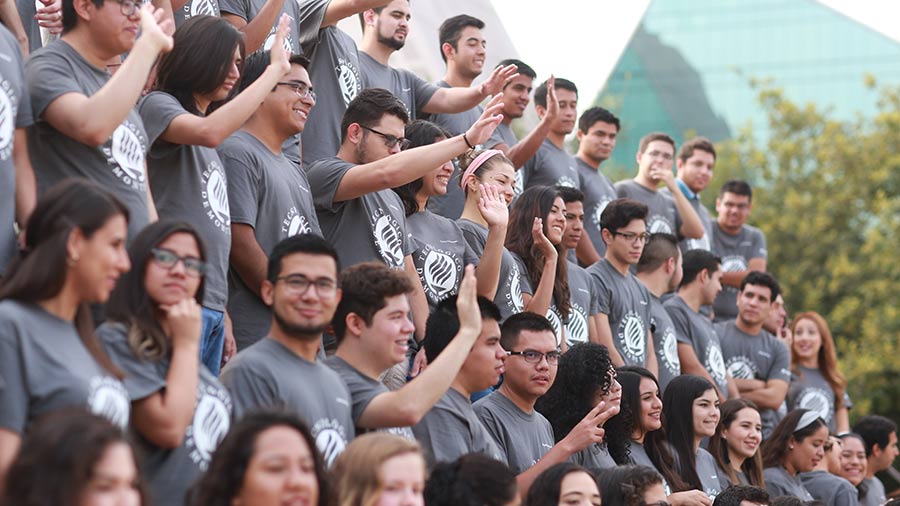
467	141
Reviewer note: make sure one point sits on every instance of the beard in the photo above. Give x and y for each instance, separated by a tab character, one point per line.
391	42
300	332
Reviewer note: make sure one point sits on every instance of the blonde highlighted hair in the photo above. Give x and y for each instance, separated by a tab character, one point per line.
355	473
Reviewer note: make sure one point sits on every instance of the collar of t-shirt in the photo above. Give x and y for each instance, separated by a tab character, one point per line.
687	191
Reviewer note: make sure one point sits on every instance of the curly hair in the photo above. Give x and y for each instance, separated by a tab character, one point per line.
365	290
579	381
471	480
625	485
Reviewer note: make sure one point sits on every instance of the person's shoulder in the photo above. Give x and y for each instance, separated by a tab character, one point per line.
751	231
9	40
112	332
329	164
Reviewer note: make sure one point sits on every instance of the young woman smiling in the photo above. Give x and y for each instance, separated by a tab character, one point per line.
735	445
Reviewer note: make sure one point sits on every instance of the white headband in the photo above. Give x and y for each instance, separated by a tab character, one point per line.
806	420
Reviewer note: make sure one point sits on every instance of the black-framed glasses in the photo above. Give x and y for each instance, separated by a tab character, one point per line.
534	356
302	89
633	237
167	259
128	7
299	285
389	140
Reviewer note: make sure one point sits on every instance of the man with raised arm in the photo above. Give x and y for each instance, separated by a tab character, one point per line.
597	132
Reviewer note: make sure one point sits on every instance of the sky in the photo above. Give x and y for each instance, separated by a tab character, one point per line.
596	32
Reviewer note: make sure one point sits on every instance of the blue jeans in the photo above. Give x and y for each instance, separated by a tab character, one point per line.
212	339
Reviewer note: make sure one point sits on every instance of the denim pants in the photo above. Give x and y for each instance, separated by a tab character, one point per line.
212	339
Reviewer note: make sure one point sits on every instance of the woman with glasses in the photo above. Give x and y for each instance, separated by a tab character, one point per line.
537	223
442	251
564	484
632	485
192	109
795	446
50	358
181	411
735	445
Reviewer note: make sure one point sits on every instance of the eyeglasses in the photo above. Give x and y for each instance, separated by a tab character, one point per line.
167	259
389	140
128	7
534	357
659	154
299	285
302	89
633	237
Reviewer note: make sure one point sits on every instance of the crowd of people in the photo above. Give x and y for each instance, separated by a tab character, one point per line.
247	262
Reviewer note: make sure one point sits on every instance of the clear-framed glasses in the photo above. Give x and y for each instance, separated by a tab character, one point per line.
299	285
633	237
389	140
167	259
302	89
534	356
128	7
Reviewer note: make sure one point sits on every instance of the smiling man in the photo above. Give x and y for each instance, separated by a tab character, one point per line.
269	198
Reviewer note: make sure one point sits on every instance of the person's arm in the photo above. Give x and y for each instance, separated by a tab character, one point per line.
340	9
9	16
691	226
459	99
26	187
75	114
494	211
406	406
211	130
528	146
604	333
585	251
770	396
650	361
417	300
163	417
50	16
247	257
734	278
690	364
842	420
168	7
9	447
593	333
151	205
411	164
539	302
256	30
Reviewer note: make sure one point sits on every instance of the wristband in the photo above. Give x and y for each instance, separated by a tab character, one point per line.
467	141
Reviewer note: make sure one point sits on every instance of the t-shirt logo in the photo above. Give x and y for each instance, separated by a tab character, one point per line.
215	196
348	79
733	263
598	210
210	424
439	273
270	39
295	223
670	352
7	119
108	398
566	181
741	367
556	323
331	439
632	336
516	303
388	240
657	224
816	399
519	183
577	328
127	152
714	363
200	8
701	243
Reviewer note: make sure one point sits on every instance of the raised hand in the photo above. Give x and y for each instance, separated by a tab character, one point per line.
552	101
497	80
467	304
50	16
541	242
487	122
279	57
156	29
492	206
185	322
590	429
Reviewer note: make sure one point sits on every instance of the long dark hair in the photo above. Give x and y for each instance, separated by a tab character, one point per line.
130	304
584	371
419	133
228	467
655	441
536	202
58	457
200	60
718	447
776	448
471	480
862	488
678	419
545	489
41	269
625	485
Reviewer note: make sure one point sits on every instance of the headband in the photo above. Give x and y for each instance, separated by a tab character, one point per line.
477	162
806	420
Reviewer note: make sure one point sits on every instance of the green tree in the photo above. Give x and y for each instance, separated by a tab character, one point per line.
827	196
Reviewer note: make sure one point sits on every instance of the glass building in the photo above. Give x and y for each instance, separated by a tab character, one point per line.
688	67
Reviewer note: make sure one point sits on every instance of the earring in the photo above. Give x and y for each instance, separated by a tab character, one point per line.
72	260
791	448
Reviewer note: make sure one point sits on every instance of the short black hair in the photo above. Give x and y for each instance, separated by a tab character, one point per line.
369	107
875	430
697	260
658	250
757	278
309	244
365	288
595	114
451	30
620	212
522	67
540	93
515	324
473	478
735	494
737	187
443	324
569	194
258	62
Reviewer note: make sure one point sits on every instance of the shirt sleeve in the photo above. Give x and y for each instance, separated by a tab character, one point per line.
240	8
681	325
324	180
524	279
157	111
142	377
474	241
13	386
243	185
24	115
441	435
312	13
424	90
491	424
249	389
759	246
604	297
781	365
49	76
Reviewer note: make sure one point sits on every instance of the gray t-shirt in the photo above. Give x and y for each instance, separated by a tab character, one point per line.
189	183
595	456
762	357
334	70
451	429
703	213
171	471
663	216
368	228
441	254
553	315
696	330
306	17
810	390
451	204
523	437
709	473
830	489
875	495
550	166
598	192
626	302
638	455
268	192
665	343
736	251
411	89
269	375
509	289
197	8
45	367
585	300
118	164
504	134
362	390
779	483
15	112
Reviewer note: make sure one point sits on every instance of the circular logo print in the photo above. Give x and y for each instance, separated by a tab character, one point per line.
330	443
211	423
816	399
7	121
348	80
128	153
734	263
109	399
714	363
440	273
217	193
741	368
633	336
598	211
567	182
387	238
204	7
656	224
670	351
298	225
556	323
577	328
515	289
